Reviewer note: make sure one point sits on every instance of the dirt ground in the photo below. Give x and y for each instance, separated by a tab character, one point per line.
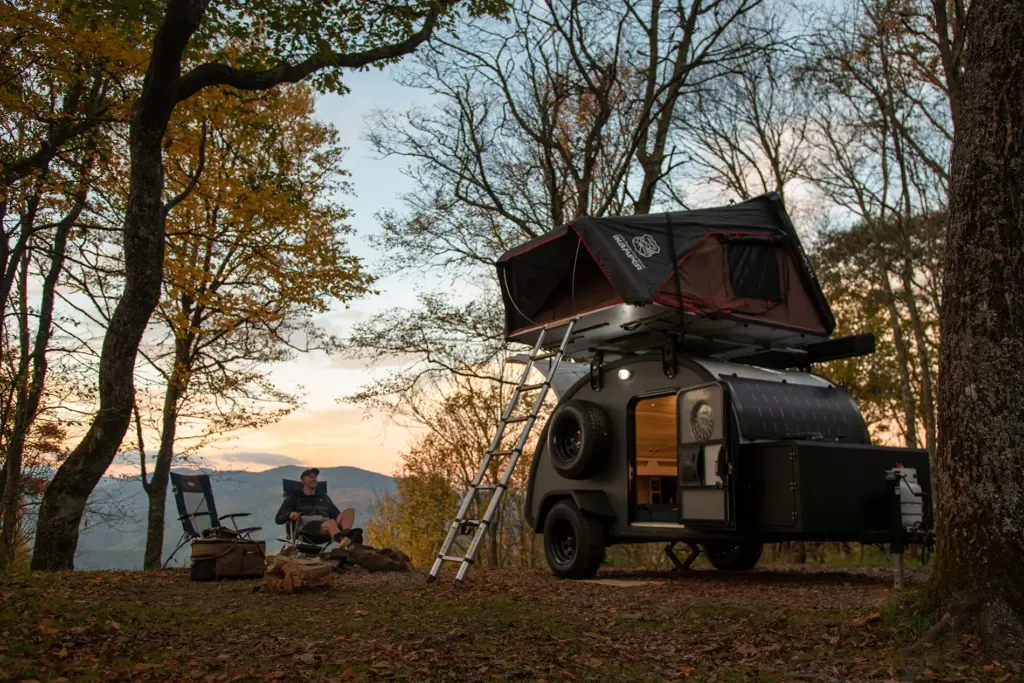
777	624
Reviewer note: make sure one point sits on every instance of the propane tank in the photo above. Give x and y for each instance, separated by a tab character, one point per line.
911	502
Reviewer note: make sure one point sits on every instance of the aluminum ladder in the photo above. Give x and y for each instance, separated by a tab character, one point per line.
497	490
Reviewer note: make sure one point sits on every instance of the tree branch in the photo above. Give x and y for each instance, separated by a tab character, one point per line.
193	180
217	73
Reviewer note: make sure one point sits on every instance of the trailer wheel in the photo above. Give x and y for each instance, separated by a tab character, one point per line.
573	542
579	439
733	557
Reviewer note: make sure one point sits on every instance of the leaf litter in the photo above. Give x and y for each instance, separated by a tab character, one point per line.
795	623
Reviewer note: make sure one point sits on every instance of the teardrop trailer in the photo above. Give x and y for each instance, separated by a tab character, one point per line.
680	347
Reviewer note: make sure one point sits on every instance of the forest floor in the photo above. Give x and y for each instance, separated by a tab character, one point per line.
773	624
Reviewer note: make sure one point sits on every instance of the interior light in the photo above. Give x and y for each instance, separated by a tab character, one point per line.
624	373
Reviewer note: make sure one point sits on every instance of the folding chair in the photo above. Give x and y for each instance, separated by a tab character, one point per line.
303	543
197	512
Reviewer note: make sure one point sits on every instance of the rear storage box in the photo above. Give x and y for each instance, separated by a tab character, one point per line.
814	488
219	558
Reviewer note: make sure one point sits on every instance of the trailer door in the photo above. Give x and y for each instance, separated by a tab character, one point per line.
706	465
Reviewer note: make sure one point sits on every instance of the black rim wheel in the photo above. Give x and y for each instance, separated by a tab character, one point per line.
568	440
563	546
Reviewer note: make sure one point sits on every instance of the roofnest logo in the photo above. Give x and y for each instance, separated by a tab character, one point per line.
646	245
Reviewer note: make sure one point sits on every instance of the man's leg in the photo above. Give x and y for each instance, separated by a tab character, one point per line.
329	528
347	518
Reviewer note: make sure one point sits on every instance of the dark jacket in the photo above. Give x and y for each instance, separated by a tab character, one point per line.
298	501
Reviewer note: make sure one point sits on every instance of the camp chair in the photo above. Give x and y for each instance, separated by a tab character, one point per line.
197	512
306	544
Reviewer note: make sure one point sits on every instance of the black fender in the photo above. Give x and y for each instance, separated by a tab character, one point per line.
528	501
590	502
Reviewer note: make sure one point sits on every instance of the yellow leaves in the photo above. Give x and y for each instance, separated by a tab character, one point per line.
259	236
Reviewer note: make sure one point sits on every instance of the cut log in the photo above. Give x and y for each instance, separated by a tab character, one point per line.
369	559
287	575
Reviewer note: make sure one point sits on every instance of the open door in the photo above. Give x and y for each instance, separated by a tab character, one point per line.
706	481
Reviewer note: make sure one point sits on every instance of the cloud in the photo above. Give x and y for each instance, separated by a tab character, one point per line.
271	459
395	361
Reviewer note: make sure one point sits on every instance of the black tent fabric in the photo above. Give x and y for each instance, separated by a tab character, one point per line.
635	259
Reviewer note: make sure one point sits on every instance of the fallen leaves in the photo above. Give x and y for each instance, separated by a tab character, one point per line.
501	625
864	621
49	627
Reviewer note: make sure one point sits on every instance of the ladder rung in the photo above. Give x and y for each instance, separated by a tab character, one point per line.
453	558
489	487
545	355
503	453
513	420
532	387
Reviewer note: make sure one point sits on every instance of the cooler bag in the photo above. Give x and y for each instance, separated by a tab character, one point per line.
220	558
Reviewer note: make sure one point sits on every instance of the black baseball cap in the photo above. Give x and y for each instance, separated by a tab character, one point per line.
312	470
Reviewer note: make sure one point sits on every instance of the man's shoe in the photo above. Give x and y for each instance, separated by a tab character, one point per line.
355	535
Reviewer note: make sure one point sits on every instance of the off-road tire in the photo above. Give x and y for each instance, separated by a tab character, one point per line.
579	439
573	542
733	557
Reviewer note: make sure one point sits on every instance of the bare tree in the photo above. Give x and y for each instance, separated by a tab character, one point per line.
567	110
881	141
747	132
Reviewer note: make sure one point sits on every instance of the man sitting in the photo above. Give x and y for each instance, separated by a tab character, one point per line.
316	514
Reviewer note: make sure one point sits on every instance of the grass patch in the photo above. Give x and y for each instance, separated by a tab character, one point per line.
910	616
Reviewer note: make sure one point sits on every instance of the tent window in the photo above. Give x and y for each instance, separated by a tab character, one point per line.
754	270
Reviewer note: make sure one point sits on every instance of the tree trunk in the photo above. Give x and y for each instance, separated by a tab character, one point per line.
979	468
27	404
157	489
60	513
12	460
903	360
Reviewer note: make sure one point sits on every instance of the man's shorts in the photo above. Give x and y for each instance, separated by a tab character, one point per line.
310	524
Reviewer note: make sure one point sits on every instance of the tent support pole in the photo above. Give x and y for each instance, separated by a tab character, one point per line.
668	353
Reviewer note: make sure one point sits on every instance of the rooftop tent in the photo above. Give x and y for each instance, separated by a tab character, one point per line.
742	271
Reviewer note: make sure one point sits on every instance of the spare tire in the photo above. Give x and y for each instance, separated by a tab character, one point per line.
579	439
733	557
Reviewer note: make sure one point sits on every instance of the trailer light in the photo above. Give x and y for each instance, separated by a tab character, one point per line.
625	374
702	421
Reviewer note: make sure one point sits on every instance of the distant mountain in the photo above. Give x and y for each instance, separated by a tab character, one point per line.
258	493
